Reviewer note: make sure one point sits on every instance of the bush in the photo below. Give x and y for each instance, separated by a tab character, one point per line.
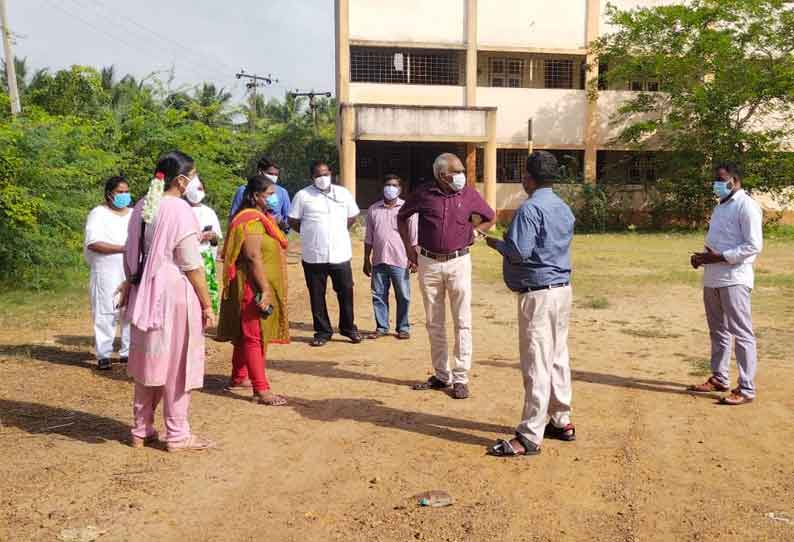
55	157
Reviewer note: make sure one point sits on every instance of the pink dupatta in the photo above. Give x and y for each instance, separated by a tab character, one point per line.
175	221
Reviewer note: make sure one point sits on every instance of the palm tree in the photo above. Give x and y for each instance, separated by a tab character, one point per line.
108	74
208	95
21	68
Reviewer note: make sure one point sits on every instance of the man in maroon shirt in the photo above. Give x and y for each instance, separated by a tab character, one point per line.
448	211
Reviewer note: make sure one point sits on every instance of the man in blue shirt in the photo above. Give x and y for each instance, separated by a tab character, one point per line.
269	169
536	253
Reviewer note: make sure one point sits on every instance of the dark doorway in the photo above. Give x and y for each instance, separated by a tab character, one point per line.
413	162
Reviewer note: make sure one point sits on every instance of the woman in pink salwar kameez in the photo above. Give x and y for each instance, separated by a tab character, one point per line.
168	304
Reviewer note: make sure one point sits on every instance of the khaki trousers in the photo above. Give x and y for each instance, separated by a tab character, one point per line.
543	318
439	280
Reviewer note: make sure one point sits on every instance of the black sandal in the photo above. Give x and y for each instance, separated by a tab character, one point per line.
504	448
433	383
318	341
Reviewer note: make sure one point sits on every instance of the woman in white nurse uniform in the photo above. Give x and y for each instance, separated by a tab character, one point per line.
105	238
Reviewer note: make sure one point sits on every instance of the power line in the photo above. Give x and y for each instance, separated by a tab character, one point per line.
198	64
116	39
201	56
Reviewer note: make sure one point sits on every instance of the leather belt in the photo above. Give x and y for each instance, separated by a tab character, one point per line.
444	257
547	287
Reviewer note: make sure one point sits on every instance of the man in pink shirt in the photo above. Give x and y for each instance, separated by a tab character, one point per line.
386	261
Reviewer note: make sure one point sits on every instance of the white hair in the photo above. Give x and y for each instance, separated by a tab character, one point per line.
441	164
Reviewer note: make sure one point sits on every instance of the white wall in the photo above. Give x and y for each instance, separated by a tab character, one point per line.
558	115
624	5
377	93
548	24
428	21
389	121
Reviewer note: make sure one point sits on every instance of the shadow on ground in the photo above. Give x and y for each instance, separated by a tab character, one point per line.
644	384
38	419
378	414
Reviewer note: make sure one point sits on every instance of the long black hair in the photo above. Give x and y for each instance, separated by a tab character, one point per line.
256	185
112	183
173	164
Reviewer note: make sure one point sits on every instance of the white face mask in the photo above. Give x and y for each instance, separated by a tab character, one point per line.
458	181
391	192
193	191
323	183
271	178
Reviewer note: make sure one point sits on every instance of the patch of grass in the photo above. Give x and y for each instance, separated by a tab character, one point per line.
595	303
650	333
698	366
20	304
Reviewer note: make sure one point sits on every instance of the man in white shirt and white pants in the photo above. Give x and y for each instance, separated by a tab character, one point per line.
734	240
323	214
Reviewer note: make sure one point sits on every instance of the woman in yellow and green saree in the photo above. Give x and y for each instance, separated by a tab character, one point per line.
254	303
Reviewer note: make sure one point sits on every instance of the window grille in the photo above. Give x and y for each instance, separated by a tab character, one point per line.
366	166
558	73
642	169
506	72
510	165
415	67
648	85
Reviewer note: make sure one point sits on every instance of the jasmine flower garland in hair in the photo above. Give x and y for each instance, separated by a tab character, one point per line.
151	202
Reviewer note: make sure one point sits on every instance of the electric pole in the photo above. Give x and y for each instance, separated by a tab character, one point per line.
11	71
254	81
312	103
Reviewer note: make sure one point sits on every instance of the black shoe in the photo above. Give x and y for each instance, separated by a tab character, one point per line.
103	364
319	341
567	433
433	383
460	391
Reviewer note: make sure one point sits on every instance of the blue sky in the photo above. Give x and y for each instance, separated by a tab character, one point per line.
202	39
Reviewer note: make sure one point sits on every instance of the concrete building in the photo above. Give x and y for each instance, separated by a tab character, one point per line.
486	79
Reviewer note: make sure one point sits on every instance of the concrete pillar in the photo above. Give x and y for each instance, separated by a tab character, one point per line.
471	164
489	162
471	53
591	114
347	148
342	37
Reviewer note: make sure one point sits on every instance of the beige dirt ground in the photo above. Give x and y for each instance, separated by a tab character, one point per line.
343	461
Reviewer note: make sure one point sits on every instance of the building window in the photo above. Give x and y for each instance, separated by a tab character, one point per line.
506	72
367	167
628	167
649	85
642	169
558	73
404	66
510	165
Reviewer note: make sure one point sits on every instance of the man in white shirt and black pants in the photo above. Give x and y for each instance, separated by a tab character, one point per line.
733	242
323	214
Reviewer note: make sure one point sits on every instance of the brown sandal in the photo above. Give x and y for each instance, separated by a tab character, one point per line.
736	399
709	386
273	400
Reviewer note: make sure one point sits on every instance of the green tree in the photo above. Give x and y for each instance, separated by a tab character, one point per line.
76	91
726	73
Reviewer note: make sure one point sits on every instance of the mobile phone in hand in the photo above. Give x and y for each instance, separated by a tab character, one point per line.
267	311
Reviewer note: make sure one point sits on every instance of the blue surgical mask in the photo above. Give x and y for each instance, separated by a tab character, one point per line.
391	192
272	201
121	201
721	189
